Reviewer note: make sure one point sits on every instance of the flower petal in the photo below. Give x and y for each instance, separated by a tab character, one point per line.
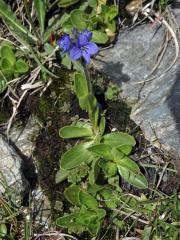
87	33
82	40
75	53
86	56
64	43
92	48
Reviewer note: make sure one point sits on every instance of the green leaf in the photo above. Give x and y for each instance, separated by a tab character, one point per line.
111	12
21	66
107	194
75	132
61	175
102	150
6	66
76	155
13	21
69	220
3	230
100	213
111	26
78	19
7	53
3	85
118	139
147	233
99	37
102	125
67	27
95	169
129	170
126	149
66	3
66	61
92	3
110	169
80	85
88	103
94	227
72	194
87	200
93	189
40	6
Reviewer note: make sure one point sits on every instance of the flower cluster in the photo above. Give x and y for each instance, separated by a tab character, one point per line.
79	47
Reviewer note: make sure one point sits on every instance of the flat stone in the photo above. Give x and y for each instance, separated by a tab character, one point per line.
155	104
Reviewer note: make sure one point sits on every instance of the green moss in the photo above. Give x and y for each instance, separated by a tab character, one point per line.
44	105
3	117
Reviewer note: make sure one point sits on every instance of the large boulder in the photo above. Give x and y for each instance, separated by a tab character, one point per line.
156	103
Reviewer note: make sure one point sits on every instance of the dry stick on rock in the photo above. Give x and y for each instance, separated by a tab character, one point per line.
161	20
161	53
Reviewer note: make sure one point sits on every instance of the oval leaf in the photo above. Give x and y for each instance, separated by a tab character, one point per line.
21	66
72	195
80	85
118	139
75	156
131	175
7	53
78	20
102	150
3	230
88	200
126	149
99	37
75	132
6	66
68	220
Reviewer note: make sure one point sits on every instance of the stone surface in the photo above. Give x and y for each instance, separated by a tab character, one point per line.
16	165
12	180
155	104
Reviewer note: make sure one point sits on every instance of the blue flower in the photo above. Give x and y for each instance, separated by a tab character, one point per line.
65	43
84	48
80	46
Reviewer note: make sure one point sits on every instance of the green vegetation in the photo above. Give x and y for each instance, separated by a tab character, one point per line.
100	188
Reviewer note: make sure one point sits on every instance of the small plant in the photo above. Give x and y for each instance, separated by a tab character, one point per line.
10	66
106	154
112	92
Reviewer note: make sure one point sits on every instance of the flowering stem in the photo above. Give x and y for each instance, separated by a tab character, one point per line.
87	77
92	114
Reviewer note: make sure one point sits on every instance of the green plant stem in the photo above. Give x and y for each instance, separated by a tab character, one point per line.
87	78
90	90
31	21
53	4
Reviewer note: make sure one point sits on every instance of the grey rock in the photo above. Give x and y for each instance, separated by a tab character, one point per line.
155	104
24	137
16	163
41	207
12	180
